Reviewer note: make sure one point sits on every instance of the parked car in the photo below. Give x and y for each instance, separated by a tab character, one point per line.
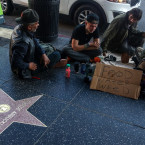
77	10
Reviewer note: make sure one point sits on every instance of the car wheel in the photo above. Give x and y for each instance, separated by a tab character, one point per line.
7	6
82	12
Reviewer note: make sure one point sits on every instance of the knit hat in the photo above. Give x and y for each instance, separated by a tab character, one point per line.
27	17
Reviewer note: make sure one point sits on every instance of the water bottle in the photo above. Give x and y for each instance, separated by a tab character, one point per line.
83	68
67	71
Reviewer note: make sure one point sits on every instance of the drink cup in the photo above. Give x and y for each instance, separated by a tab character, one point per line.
125	57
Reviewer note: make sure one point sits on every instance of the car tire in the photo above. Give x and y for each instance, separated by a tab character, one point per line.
83	11
7	6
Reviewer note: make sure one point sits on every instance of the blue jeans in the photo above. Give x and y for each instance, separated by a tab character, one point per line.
27	74
81	56
54	58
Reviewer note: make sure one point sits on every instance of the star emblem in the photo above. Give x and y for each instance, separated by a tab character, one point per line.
16	111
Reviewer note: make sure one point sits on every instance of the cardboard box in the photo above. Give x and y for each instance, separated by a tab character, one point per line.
115	87
116	80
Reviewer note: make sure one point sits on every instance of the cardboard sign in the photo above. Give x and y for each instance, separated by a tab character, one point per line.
116	80
129	76
115	87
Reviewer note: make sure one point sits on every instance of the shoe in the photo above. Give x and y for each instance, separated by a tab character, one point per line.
95	59
61	63
68	59
110	58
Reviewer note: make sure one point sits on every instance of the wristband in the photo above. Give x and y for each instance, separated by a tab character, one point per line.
86	45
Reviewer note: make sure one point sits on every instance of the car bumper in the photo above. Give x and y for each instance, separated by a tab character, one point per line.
113	9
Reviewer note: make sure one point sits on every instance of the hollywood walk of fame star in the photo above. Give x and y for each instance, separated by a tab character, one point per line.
16	111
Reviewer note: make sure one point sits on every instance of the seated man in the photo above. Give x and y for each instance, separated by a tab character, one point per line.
80	47
26	54
121	35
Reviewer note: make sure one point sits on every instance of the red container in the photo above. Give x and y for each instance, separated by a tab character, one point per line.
67	71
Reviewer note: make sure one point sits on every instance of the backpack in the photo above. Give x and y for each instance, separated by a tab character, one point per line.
141	65
139	58
48	48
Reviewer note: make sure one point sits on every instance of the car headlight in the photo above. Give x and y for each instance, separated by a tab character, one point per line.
120	1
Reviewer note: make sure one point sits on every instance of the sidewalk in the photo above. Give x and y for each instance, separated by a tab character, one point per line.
59	111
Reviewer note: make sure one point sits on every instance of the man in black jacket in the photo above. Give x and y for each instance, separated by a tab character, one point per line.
26	54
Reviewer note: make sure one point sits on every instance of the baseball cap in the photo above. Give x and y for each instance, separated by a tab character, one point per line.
93	18
28	16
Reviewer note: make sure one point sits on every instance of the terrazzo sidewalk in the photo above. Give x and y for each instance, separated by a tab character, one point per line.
59	111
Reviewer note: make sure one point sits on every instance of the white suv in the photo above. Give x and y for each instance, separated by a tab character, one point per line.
77	10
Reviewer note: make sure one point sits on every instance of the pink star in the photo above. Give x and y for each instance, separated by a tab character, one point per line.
16	111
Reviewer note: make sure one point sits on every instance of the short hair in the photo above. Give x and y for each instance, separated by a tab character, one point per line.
136	12
93	18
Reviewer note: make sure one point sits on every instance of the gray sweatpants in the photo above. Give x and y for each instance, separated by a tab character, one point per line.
81	56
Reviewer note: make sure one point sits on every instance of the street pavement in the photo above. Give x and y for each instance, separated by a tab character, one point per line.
54	110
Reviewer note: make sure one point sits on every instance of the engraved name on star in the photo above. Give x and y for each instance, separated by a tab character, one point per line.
16	111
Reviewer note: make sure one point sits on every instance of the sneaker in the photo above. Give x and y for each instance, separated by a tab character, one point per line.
68	59
95	59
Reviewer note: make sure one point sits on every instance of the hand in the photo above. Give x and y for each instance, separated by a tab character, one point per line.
32	66
94	44
45	59
104	53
